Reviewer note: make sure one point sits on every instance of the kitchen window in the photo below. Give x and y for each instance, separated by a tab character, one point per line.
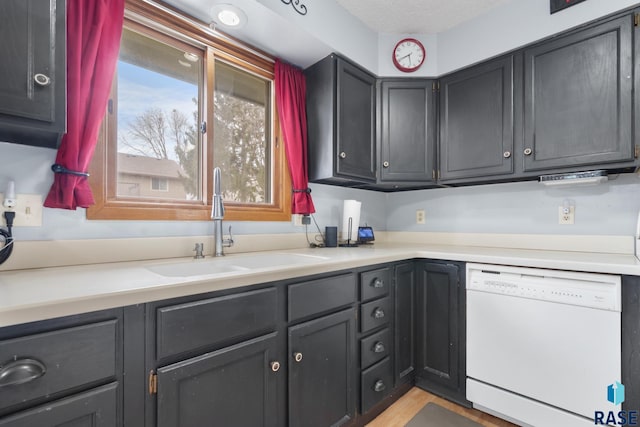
184	101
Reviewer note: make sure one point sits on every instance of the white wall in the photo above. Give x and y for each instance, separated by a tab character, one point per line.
512	25
520	208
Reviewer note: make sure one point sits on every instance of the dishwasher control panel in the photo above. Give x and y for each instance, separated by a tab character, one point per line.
593	290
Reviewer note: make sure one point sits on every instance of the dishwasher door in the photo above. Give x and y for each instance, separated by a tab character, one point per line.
524	337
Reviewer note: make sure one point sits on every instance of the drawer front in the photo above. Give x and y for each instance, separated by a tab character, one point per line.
69	358
375	314
375	283
376	383
375	348
318	296
215	321
95	408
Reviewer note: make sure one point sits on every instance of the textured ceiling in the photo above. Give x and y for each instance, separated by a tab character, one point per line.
416	16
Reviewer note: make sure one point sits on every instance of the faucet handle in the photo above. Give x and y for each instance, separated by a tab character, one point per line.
198	250
229	242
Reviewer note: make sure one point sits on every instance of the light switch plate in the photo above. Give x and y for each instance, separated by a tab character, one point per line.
28	210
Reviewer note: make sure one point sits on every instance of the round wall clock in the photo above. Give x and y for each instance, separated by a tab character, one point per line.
408	55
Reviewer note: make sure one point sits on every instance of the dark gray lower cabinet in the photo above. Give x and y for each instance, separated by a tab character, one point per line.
231	387
322	371
405	322
631	341
441	329
95	408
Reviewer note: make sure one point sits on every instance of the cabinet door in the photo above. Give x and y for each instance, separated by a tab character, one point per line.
323	371
578	95
355	144
32	82
233	387
95	408
405	321
407	142
438	325
476	121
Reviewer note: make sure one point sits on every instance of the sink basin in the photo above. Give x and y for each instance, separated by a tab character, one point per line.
232	263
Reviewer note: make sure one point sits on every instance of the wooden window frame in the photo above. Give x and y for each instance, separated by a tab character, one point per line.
103	169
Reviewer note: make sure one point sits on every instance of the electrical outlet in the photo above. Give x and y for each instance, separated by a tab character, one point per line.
420	216
566	215
28	210
296	220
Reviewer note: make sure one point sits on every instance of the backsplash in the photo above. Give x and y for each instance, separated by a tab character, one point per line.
515	208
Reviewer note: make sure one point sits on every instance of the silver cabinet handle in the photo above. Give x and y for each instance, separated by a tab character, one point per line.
343	155
378	347
42	79
275	366
385	164
378	313
297	356
379	386
506	154
21	371
377	283
528	151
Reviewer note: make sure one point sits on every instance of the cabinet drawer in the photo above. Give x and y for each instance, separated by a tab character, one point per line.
205	323
376	383
318	296
95	408
69	357
375	348
374	284
374	314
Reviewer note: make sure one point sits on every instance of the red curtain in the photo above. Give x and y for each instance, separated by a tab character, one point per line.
291	90
94	28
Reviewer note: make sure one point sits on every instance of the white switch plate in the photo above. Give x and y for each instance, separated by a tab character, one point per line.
566	218
296	220
28	210
420	216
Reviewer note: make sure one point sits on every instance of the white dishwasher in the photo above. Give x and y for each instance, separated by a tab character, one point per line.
542	345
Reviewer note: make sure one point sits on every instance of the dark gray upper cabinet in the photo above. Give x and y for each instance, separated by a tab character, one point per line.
407	131
578	99
341	122
32	76
477	121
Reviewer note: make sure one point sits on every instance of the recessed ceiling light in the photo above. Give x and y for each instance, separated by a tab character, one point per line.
228	16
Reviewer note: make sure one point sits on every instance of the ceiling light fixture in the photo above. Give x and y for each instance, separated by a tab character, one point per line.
228	16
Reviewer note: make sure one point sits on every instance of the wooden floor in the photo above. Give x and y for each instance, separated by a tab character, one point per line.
399	414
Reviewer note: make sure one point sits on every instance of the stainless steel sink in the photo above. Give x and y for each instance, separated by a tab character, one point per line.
232	263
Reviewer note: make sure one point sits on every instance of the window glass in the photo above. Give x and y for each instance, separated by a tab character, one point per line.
158	98
242	134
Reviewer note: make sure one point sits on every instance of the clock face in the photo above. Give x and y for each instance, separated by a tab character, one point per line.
408	55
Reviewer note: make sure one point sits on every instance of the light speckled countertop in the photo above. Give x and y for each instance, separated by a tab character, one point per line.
37	294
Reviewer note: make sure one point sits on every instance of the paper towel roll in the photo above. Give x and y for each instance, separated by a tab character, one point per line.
351	209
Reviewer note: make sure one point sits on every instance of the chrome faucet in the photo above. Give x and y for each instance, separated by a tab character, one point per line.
217	215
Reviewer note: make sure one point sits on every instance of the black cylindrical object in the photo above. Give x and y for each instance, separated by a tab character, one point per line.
331	237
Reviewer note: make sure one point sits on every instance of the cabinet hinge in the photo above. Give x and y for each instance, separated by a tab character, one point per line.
435	86
438	174
636	20
637	151
153	383
433	174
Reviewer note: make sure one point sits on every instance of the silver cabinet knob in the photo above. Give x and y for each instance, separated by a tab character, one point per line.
379	386
385	164
275	366
378	347
42	80
506	154
378	313
377	283
343	155
297	356
528	151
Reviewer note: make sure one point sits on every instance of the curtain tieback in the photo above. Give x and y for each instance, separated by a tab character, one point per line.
306	190
56	168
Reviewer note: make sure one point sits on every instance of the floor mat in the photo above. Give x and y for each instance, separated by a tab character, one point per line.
433	415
